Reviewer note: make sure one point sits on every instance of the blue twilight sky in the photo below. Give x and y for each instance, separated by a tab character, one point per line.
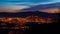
21	4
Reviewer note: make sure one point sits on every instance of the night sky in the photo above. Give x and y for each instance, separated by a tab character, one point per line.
21	4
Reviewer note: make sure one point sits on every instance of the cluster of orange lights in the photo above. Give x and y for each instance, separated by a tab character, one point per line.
26	19
29	19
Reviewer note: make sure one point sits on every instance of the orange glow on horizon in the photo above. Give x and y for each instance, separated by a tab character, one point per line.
56	10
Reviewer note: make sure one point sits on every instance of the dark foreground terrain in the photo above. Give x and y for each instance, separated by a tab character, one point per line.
33	28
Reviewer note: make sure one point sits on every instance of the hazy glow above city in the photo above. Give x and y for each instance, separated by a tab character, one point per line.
21	4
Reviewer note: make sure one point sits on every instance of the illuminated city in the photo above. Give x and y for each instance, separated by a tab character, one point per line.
29	16
36	19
